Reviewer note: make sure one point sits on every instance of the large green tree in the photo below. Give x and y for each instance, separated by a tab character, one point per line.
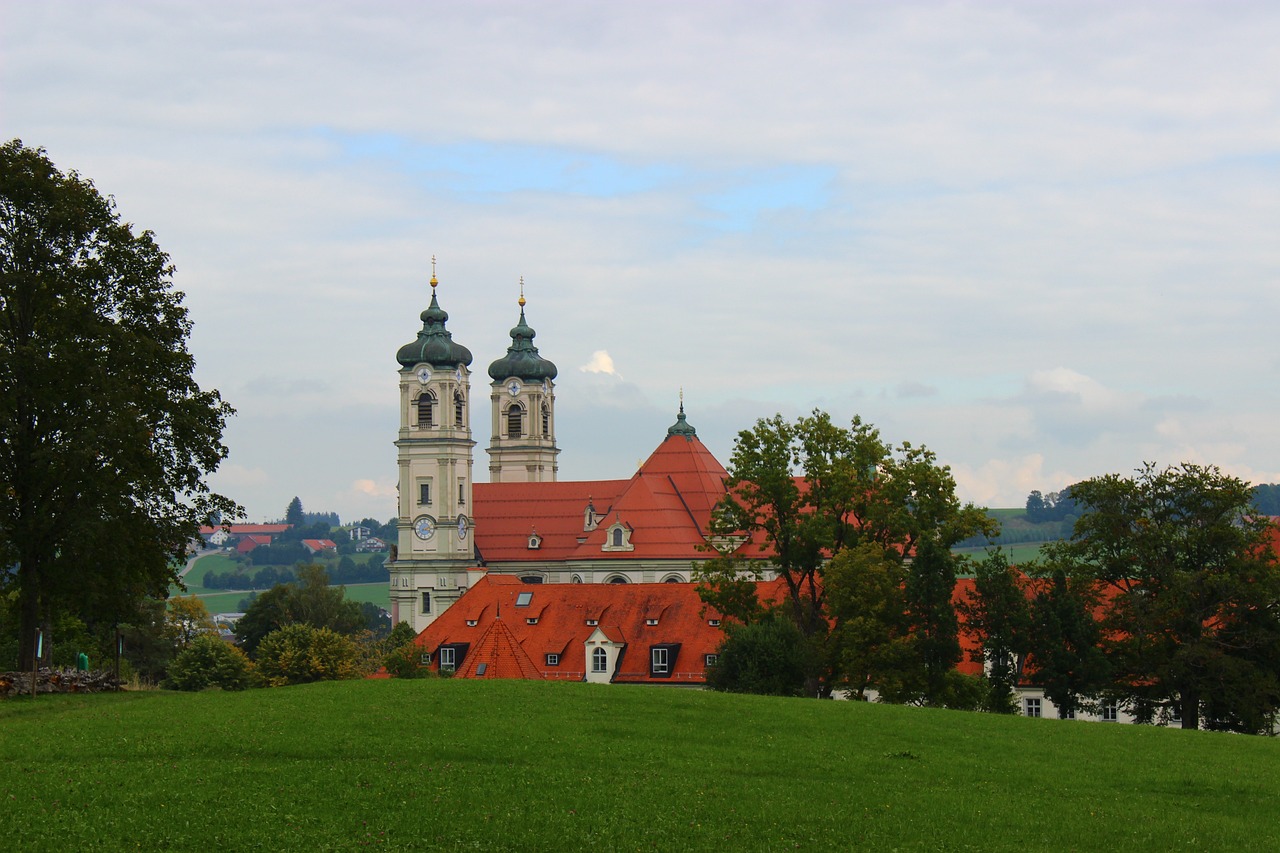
1193	616
998	615
309	600
804	492
105	437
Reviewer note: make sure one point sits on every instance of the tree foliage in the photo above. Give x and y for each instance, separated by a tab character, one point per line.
293	513
1193	591
807	491
307	601
999	615
210	662
768	657
105	438
300	653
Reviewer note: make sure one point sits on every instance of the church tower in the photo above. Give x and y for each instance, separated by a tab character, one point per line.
435	453
523	444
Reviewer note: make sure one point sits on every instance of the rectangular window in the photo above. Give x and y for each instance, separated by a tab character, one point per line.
714	623
1110	712
1066	715
711	660
532	620
446	658
481	669
1032	707
424	494
553	660
462	492
660	664
425	658
426	602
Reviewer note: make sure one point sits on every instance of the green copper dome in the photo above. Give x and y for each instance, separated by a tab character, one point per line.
435	344
681	426
522	360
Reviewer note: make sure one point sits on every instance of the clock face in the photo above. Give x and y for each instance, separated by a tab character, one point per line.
424	528
424	375
514	388
546	387
458	374
462	527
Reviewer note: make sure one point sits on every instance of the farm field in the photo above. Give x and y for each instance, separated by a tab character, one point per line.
452	764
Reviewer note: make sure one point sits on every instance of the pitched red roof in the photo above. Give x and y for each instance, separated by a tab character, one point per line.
248	543
666	505
554	620
497	654
314	545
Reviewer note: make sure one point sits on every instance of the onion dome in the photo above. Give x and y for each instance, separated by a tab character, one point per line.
434	345
522	360
681	426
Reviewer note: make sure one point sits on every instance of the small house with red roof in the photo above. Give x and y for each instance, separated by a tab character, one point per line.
316	546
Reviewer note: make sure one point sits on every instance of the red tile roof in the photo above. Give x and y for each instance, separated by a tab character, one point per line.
314	545
667	505
248	543
561	613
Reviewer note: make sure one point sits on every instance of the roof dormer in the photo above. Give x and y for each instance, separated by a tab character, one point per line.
617	537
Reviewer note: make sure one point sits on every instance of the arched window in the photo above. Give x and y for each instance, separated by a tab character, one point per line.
599	661
426	406
546	420
457	409
515	421
617	579
617	537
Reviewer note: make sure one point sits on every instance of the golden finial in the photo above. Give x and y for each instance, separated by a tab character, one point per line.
522	292
433	273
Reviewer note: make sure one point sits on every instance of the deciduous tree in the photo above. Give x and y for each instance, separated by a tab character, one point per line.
1193	617
105	437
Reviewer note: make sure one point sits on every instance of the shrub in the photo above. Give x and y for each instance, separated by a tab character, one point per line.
406	662
210	662
298	653
769	657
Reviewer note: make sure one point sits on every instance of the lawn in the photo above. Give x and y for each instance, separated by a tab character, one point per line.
452	764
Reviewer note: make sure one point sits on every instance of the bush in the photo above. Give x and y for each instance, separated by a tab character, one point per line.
406	662
209	662
769	657
298	653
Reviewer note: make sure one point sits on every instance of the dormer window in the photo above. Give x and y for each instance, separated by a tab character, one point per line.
535	541
618	538
471	623
593	622
651	622
714	623
589	518
532	620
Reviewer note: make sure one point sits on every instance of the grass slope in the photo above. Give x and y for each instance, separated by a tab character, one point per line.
452	764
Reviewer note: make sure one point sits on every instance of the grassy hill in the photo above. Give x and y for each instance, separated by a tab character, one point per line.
452	764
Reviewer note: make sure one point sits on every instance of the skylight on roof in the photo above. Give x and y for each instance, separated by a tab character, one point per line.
523	599
482	668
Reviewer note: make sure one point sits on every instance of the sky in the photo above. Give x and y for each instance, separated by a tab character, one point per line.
1041	238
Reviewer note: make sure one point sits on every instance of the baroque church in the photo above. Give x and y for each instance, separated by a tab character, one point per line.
524	522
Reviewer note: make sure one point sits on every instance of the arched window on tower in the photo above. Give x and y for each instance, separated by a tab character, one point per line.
426	407
546	420
515	421
457	409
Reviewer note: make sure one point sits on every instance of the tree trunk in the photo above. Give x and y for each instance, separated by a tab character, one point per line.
28	614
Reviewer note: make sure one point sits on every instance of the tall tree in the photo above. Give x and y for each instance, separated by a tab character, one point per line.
105	438
294	514
999	617
1066	643
1194	589
806	491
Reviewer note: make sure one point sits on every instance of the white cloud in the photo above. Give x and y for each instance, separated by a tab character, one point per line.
600	362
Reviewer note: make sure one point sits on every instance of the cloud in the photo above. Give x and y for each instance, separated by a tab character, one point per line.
600	362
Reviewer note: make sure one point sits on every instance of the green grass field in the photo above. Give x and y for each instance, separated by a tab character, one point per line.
452	765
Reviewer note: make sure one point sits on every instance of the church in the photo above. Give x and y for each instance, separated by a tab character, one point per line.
525	523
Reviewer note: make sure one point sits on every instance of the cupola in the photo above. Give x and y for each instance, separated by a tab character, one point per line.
681	427
435	345
522	360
